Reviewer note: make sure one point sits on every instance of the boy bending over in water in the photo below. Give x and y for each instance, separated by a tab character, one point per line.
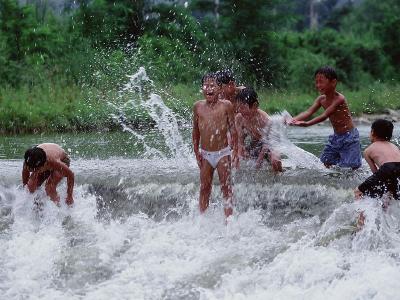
383	158
252	122
343	147
212	120
48	162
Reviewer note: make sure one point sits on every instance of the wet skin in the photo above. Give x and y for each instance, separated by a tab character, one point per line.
212	120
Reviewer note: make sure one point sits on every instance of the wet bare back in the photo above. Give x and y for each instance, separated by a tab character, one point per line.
53	152
381	152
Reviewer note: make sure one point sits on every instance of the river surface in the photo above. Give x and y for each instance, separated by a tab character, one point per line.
135	231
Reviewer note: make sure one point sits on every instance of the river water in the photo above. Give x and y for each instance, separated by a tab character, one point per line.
135	231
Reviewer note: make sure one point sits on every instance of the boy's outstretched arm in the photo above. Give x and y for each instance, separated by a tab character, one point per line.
196	136
233	132
325	115
306	114
240	135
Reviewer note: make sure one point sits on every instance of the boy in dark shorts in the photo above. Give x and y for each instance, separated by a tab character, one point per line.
383	157
48	162
343	148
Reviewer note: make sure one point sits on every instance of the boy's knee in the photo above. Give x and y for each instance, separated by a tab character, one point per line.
31	188
205	187
226	190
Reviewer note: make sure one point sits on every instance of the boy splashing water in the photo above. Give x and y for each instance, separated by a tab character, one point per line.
213	119
343	148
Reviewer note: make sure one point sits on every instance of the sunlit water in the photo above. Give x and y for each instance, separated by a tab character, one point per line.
135	231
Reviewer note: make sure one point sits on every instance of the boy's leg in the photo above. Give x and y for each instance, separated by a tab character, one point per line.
206	177
276	162
373	186
224	173
330	155
350	152
51	186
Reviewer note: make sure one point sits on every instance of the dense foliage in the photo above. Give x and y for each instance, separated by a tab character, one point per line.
94	44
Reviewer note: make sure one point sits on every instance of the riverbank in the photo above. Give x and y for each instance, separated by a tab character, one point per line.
57	107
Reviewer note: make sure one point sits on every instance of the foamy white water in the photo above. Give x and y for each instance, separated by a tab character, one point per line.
138	235
135	231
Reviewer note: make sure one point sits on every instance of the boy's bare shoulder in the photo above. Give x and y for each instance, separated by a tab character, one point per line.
320	98
340	97
263	113
369	149
199	104
226	102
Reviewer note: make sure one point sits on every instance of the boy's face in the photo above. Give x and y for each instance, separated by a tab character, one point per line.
210	90
228	89
324	84
246	111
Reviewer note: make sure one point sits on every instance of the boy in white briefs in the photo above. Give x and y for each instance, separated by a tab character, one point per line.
212	120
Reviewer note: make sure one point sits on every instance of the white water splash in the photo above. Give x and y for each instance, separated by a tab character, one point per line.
275	136
137	95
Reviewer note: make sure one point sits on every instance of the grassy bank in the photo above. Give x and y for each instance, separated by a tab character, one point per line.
56	107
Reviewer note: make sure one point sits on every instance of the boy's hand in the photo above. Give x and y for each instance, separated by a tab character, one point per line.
298	123
69	200
288	120
358	194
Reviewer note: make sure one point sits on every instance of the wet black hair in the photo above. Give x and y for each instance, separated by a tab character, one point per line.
210	75
225	76
328	71
382	129
35	157
247	96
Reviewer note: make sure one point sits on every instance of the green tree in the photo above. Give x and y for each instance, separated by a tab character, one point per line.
248	29
110	23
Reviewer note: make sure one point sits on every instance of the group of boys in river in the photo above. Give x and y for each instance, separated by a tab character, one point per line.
229	126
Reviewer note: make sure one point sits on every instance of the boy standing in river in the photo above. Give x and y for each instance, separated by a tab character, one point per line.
213	118
343	148
48	162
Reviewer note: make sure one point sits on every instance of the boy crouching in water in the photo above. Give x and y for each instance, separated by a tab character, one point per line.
212	120
48	162
383	157
251	124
